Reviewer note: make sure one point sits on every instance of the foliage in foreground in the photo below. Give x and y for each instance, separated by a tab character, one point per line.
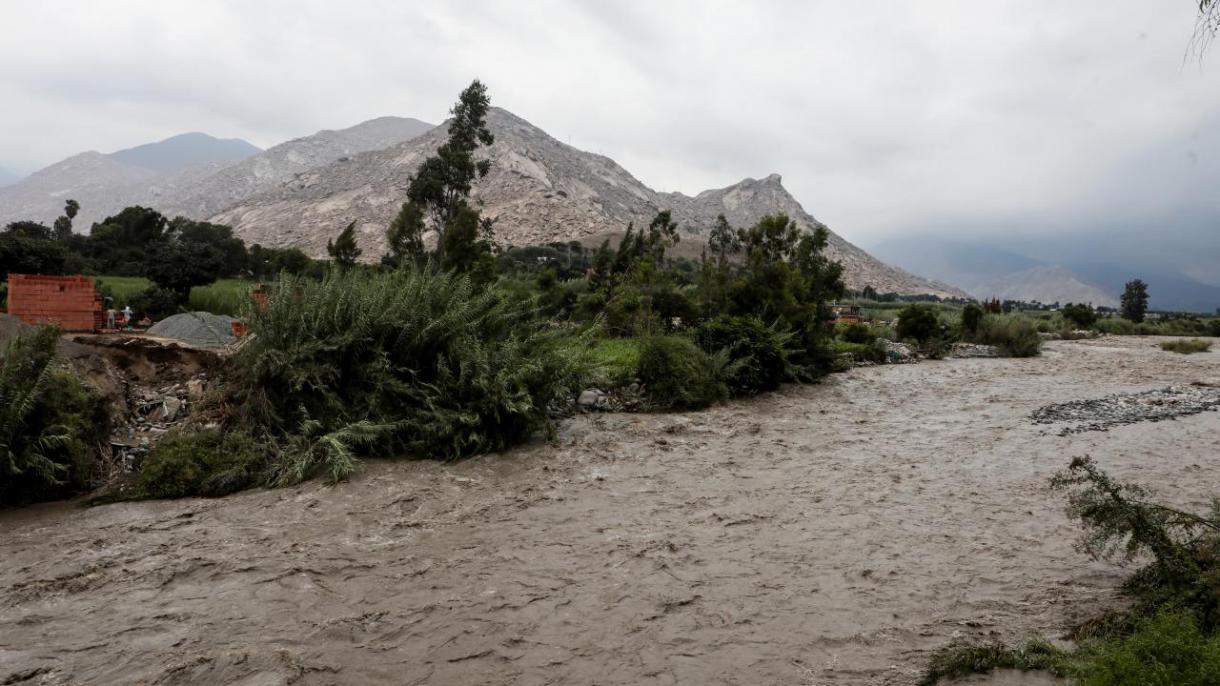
679	374
411	361
50	423
206	462
758	354
1015	336
1187	346
1169	636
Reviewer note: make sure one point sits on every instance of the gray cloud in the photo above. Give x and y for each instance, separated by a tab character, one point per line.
882	116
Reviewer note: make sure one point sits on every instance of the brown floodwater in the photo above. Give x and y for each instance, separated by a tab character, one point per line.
824	534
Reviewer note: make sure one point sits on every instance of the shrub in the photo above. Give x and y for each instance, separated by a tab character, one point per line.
757	353
411	361
678	374
207	463
50	423
1015	336
1115	326
1187	346
861	352
1082	316
963	659
857	332
1184	548
918	323
1213	327
157	303
613	362
1167	648
972	316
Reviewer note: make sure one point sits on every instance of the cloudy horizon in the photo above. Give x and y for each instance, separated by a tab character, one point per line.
883	119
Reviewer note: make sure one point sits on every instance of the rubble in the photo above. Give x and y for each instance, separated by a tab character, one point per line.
1129	408
900	353
964	350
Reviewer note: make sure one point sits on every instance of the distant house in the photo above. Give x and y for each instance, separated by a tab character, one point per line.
848	314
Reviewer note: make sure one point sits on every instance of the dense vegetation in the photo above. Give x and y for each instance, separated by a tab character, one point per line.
1171	632
51	424
175	256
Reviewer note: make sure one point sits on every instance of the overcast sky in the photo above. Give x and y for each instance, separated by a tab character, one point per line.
882	116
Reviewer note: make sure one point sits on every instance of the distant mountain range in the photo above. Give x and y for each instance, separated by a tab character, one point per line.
303	192
986	270
185	150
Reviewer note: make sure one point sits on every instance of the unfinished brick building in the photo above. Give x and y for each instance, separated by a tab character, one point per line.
69	302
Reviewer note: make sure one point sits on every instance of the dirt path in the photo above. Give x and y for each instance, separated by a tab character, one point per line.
830	534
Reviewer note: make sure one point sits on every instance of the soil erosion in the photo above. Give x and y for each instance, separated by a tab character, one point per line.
825	534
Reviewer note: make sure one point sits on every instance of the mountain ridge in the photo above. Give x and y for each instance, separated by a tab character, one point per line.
539	190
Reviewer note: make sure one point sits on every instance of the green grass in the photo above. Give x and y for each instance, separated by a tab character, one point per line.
1187	346
614	362
226	296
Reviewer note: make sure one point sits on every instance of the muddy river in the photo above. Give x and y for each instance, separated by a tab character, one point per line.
826	534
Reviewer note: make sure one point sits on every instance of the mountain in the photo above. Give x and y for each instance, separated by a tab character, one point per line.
105	184
1045	284
1075	269
272	167
185	150
539	190
101	184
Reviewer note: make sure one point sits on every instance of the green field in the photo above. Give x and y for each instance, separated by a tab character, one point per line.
226	296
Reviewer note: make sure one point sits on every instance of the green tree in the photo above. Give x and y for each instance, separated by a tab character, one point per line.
63	225
918	322
442	184
20	254
235	258
27	229
662	235
343	250
179	266
406	237
972	317
723	240
1081	315
1134	303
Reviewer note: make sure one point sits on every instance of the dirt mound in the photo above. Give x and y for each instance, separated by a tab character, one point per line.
197	328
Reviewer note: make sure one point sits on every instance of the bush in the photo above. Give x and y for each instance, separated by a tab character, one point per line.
857	333
1082	316
207	463
410	361
1167	648
678	374
972	317
1015	336
50	423
157	303
861	352
757	353
1187	346
1115	326
613	362
918	323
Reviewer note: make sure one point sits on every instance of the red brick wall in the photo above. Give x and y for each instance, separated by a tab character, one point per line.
68	301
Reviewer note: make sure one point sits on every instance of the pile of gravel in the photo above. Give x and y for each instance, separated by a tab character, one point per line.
1129	408
202	329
